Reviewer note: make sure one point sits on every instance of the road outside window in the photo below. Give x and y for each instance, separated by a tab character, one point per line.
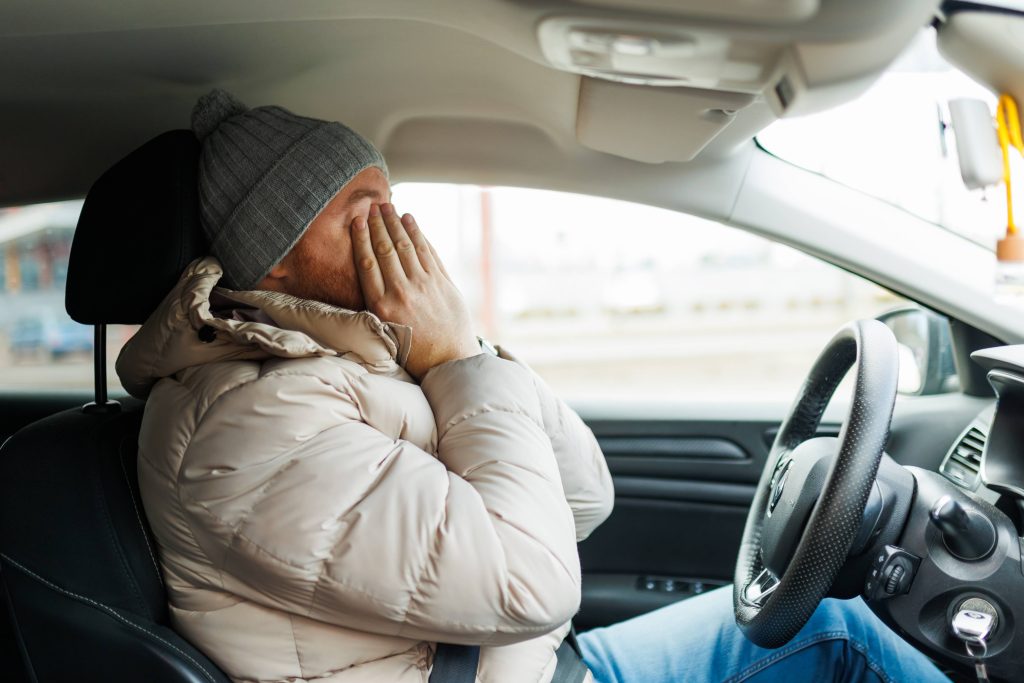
605	299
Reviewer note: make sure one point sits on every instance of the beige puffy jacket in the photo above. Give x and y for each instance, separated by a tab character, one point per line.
321	517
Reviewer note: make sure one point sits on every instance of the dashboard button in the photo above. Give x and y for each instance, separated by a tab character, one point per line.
891	573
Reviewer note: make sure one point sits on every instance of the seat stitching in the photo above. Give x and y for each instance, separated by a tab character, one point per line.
138	517
103	507
108	610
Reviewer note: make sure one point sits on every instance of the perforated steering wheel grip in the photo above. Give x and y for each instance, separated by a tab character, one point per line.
770	609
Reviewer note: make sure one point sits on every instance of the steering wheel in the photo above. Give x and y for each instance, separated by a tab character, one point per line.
810	498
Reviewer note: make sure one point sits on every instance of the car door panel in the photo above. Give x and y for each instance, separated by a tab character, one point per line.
682	491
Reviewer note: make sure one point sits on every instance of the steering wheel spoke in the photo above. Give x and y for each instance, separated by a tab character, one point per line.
761	587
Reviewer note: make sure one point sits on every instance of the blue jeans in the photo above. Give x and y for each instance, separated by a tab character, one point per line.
697	641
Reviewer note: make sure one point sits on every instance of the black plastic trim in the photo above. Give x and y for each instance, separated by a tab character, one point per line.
718	493
967	340
672	446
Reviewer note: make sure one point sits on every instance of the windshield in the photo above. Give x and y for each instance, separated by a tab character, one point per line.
895	144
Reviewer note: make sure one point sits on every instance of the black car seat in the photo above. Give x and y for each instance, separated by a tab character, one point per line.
77	561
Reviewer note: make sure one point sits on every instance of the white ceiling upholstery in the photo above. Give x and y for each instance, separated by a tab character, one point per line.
453	89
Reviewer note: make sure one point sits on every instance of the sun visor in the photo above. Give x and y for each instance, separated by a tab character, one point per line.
652	124
988	46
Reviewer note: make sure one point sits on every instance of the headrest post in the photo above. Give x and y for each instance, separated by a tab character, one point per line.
101	404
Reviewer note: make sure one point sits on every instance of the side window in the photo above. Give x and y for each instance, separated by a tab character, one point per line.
41	348
611	300
605	299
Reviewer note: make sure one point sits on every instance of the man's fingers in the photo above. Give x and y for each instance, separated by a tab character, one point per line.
420	243
384	249
370	278
404	246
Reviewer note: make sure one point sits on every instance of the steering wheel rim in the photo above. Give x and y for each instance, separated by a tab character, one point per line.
768	613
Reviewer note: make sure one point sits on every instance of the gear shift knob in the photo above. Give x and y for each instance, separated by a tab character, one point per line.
968	534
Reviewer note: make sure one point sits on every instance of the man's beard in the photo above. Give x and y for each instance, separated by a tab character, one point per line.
330	282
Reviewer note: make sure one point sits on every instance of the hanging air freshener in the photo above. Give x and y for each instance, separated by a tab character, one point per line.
1009	285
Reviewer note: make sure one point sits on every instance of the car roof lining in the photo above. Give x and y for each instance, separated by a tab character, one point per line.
85	84
453	91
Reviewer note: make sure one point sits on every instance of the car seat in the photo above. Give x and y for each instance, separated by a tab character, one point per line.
78	563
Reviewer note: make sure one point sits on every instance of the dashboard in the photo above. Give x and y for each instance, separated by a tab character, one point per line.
962	536
987	458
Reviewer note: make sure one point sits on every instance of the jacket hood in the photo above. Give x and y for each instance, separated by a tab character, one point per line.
250	325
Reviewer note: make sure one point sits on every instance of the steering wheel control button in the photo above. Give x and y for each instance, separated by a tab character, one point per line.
894	582
891	573
967	533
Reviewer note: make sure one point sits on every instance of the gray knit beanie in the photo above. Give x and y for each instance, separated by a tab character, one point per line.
264	175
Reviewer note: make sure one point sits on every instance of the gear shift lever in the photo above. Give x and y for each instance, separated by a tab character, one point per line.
968	534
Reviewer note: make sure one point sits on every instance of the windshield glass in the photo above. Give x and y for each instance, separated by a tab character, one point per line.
895	144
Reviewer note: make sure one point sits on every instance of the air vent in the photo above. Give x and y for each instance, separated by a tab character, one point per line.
964	461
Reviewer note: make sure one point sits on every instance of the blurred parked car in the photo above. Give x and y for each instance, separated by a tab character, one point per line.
54	337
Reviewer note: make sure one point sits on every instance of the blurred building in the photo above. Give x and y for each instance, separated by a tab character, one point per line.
35	243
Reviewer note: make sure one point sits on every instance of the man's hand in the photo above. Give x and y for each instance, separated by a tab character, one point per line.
404	281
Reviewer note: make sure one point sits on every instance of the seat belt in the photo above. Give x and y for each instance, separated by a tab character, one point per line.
569	667
458	663
455	663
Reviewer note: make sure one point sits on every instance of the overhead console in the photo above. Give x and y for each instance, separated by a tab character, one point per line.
662	88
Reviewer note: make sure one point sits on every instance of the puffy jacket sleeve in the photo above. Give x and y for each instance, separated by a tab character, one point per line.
332	519
581	464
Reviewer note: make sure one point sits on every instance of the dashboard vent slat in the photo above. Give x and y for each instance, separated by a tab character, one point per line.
963	463
974	439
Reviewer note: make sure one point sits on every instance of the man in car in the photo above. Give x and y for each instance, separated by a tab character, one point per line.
340	476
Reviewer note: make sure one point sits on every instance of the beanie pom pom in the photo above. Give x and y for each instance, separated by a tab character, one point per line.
213	108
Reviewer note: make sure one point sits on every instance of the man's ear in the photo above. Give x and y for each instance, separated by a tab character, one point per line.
275	279
278	272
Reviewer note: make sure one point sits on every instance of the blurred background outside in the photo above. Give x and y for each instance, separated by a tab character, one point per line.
605	299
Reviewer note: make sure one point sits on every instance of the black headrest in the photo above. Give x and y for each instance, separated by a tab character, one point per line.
138	230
